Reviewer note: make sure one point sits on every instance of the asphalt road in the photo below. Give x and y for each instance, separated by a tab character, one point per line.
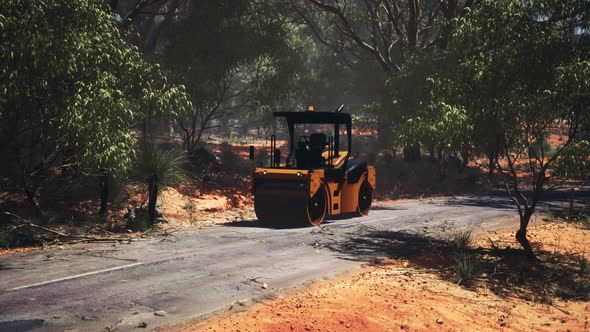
89	287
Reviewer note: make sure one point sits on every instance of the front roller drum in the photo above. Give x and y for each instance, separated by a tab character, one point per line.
290	206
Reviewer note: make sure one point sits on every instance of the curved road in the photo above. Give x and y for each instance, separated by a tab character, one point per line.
95	286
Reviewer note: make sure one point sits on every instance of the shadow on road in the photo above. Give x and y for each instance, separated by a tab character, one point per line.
370	245
495	201
280	225
389	207
21	325
552	201
259	224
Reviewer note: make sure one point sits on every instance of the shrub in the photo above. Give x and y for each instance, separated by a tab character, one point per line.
229	158
190	206
139	221
19	236
582	264
466	267
462	240
159	168
261	158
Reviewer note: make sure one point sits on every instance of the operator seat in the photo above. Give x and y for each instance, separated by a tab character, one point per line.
317	145
309	155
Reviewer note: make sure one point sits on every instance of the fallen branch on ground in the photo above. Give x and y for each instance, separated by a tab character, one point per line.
73	238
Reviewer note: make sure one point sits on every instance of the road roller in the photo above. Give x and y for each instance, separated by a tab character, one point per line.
317	178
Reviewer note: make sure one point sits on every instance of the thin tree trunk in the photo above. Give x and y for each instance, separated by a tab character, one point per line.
412	153
521	236
464	160
153	197
104	193
431	152
491	163
32	198
31	188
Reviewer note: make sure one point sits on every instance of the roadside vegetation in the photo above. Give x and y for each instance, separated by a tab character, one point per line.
119	118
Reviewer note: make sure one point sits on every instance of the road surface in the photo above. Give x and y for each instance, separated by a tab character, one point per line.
161	281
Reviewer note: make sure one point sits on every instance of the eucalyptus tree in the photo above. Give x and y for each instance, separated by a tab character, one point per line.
232	56
70	80
390	32
518	71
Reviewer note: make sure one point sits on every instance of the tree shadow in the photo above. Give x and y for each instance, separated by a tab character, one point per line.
552	201
387	208
21	325
366	245
258	224
490	200
506	271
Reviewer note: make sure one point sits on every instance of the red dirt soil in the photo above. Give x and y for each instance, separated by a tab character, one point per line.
404	295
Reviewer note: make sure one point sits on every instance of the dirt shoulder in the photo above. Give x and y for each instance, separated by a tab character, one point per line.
422	293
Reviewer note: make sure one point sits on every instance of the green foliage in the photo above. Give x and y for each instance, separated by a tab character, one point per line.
505	77
18	236
71	78
243	61
190	206
261	157
582	264
166	166
229	158
462	240
466	268
513	71
574	162
141	221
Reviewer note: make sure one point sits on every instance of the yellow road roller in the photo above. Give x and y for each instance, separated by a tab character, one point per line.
317	178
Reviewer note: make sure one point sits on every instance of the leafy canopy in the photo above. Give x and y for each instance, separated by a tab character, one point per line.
69	77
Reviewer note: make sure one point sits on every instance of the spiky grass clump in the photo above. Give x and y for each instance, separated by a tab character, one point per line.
462	240
166	167
466	267
158	169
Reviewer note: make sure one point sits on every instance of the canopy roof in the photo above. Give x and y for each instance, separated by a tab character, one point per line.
316	117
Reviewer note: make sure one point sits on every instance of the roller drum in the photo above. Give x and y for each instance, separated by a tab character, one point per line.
284	203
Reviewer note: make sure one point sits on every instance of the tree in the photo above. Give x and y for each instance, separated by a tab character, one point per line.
521	64
242	61
390	32
72	81
147	18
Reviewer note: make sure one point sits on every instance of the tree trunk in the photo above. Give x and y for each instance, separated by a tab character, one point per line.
144	131
412	153
104	193
31	187
491	163
153	198
32	198
522	238
431	152
464	160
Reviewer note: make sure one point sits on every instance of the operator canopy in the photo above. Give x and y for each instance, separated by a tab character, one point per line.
310	150
316	117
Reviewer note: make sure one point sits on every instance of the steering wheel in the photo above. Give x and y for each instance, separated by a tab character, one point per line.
303	143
